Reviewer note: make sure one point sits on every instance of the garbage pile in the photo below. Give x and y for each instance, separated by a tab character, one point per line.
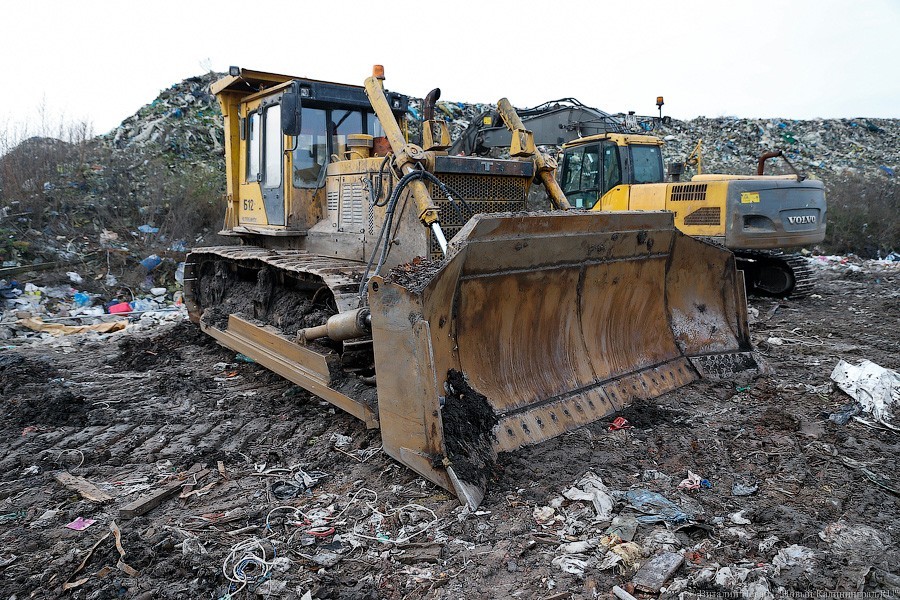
31	313
184	120
663	542
823	147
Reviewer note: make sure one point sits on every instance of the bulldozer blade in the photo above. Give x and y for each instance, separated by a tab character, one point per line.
536	324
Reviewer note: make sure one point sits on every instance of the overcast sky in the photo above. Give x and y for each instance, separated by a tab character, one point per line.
100	61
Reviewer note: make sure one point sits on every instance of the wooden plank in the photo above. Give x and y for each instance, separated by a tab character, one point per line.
88	490
148	502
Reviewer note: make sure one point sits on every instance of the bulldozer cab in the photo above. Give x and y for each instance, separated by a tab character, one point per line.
276	178
593	166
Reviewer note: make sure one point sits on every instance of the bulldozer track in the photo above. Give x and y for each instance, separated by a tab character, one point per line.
340	275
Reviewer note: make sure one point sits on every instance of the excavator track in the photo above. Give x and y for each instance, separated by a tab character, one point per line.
776	273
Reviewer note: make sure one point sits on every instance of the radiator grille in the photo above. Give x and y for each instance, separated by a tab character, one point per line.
708	215
352	197
333	197
482	193
688	191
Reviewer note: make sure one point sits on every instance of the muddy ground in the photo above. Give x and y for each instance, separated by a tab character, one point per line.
294	496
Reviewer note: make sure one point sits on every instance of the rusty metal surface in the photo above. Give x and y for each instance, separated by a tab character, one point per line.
558	319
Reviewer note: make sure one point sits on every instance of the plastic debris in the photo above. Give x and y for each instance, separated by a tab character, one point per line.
619	423
82	299
80	524
657	508
876	389
623	527
694	482
795	558
151	262
738	518
120	308
744	489
75	277
148	229
573	564
591	488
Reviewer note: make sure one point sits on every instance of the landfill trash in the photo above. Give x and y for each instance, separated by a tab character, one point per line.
694	482
179	273
622	594
32	470
120	308
654	475
619	423
744	489
623	527
660	540
243	358
657	571
573	564
795	558
151	262
148	229
579	547
738	518
158	291
876	389
625	555
591	487
75	277
860	548
285	490
80	524
845	413
768	544
544	515
775	341
730	578
82	299
657	508
36	324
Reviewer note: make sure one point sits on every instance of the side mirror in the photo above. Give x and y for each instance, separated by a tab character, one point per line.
291	110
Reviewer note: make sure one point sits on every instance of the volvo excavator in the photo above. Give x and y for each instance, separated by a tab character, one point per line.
610	163
411	289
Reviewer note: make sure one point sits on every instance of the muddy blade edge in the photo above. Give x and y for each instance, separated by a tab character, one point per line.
539	324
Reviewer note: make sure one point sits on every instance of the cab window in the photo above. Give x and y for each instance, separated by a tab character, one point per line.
647	161
612	170
344	122
311	150
253	147
273	147
581	175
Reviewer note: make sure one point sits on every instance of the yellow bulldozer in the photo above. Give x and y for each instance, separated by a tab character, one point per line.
411	289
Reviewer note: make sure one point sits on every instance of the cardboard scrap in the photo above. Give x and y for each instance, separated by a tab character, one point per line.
37	324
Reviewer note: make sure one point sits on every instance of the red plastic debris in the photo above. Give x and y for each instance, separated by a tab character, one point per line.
121	307
620	423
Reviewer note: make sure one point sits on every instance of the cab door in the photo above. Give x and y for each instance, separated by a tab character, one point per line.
262	199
